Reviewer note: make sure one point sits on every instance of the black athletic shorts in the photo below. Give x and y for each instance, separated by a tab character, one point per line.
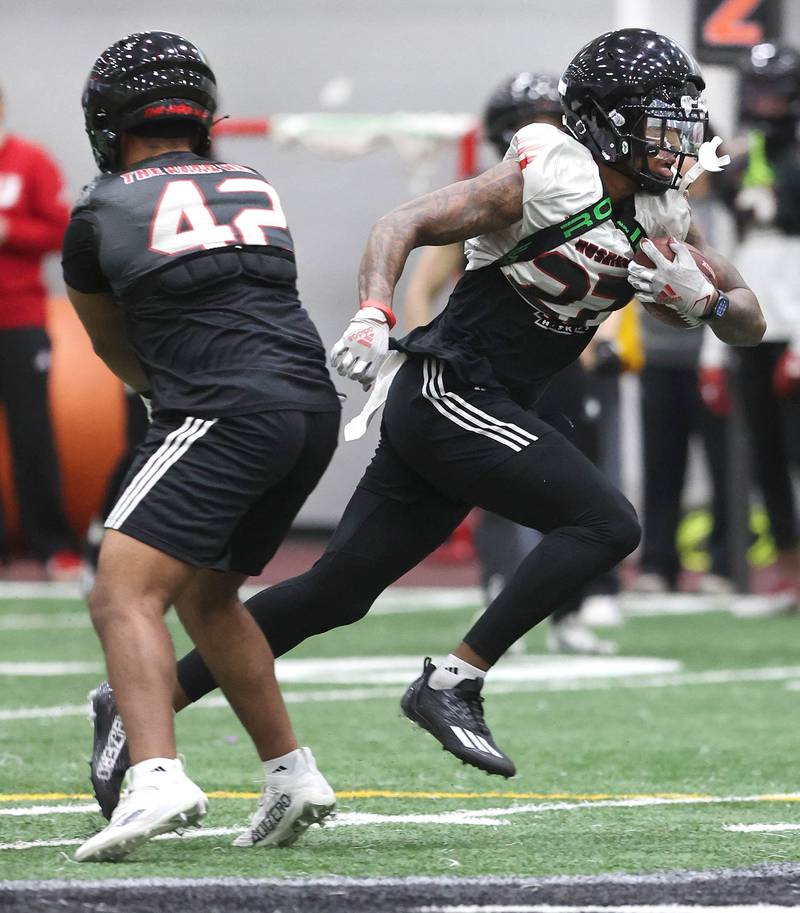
222	493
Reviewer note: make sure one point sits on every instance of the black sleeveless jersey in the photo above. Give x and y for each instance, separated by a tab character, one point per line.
199	255
489	336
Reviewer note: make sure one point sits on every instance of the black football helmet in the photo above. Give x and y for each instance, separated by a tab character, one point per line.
145	78
519	100
769	88
632	93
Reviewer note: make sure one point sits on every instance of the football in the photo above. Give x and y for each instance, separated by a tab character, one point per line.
661	311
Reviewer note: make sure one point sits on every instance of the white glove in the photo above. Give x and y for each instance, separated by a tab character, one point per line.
363	346
678	284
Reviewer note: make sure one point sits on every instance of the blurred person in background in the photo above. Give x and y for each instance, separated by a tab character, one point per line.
33	218
501	544
674	408
762	187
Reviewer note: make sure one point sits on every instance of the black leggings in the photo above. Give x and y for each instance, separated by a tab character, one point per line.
24	371
432	465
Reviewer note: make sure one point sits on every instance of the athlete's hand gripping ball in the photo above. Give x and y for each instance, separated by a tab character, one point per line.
678	284
360	352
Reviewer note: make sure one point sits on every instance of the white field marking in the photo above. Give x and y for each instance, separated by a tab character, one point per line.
58	885
396	600
749	605
477	817
40	670
793	686
402	599
346	819
713	677
45	713
766	828
343	819
31	811
400	670
611	908
71	841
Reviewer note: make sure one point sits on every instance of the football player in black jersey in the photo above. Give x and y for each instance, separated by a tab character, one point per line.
522	99
182	270
458	429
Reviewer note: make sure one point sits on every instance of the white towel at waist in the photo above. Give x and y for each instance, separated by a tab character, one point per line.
357	426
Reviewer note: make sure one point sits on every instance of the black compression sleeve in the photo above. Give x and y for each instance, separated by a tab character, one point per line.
80	263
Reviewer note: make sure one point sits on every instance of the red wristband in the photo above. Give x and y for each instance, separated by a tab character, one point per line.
373	303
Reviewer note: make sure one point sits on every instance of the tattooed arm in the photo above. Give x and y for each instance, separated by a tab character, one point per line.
743	324
489	202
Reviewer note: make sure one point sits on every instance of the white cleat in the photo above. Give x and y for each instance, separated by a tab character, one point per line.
154	800
291	802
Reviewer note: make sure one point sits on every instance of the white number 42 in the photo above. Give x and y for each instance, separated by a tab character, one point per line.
183	220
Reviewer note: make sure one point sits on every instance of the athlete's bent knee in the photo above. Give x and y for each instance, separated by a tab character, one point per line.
625	531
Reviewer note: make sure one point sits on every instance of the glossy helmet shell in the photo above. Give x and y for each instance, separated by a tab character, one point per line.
146	77
519	100
769	86
609	83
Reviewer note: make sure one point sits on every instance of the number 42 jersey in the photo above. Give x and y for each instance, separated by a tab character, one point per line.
199	256
534	293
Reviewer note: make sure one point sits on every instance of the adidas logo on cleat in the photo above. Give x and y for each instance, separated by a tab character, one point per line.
475	742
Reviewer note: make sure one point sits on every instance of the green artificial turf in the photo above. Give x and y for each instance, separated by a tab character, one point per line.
587	742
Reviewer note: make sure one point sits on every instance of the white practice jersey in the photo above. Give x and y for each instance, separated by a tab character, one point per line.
577	284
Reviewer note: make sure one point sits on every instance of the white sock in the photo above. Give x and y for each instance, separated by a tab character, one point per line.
288	765
451	671
153	768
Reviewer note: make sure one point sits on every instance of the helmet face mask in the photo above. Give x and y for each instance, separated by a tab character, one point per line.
662	130
635	99
148	77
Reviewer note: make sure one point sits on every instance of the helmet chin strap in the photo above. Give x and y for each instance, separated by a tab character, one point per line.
707	160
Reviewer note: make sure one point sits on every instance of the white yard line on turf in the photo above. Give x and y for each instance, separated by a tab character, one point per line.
347	819
41	670
680	679
764	828
404	599
396	600
399	670
485	817
478	817
34	810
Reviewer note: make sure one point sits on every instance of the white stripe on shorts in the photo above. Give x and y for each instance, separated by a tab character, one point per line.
176	443
467	416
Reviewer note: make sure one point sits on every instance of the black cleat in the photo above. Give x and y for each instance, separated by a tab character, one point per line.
110	757
454	716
